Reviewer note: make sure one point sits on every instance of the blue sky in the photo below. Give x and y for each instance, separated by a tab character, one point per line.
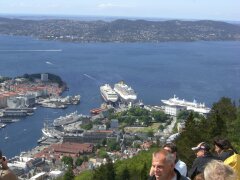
177	9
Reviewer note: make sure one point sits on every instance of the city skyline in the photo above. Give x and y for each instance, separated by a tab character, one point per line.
172	9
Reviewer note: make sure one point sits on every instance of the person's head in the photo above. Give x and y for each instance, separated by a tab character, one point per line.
217	170
199	176
163	164
221	145
201	149
1	159
172	148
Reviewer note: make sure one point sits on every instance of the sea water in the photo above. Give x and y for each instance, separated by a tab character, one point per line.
204	71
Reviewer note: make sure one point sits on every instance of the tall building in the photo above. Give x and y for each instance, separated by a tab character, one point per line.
44	77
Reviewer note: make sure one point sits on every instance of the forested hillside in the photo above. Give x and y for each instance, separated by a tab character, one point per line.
121	30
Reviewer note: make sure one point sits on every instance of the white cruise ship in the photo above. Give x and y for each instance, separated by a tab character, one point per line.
50	132
108	94
194	106
125	92
68	119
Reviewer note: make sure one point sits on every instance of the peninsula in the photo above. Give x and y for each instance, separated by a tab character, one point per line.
121	30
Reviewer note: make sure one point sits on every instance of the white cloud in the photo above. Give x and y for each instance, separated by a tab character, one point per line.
110	5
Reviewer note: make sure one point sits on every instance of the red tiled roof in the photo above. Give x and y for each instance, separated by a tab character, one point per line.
70	149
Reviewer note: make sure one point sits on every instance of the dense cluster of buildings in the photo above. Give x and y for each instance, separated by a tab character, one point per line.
75	141
20	92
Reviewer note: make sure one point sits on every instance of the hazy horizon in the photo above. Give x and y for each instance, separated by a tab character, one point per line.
104	18
172	9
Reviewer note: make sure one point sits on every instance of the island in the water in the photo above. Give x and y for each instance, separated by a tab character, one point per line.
121	30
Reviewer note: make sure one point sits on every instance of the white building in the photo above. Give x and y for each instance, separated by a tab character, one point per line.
3	101
39	92
44	77
21	101
39	176
174	104
173	110
55	174
99	127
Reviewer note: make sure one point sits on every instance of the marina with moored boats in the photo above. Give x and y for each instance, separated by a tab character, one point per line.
59	102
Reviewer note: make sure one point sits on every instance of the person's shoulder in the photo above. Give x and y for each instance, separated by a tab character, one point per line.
198	159
184	178
211	157
179	176
7	175
226	154
181	163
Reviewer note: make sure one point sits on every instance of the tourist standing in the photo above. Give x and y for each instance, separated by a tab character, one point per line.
202	151
163	163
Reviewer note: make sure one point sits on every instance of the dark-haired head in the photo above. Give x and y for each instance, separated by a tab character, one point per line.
171	146
223	144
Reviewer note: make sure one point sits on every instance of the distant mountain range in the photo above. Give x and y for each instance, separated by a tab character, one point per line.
121	30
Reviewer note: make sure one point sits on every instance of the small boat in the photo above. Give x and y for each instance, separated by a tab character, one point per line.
2	125
6	137
41	139
96	111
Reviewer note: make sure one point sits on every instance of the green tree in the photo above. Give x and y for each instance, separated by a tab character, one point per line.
85	175
217	125
189	138
102	153
144	172
159	116
104	142
85	158
145	120
100	173
67	161
110	174
79	162
234	133
125	174
112	145
69	175
150	133
87	126
226	110
161	127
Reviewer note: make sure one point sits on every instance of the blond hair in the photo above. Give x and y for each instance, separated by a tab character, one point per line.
217	170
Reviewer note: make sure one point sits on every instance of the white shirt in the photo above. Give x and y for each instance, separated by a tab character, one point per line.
181	167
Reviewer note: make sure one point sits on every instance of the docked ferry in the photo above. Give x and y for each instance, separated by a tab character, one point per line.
125	92
108	94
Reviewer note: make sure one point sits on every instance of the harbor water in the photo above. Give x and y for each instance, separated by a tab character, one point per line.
204	71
